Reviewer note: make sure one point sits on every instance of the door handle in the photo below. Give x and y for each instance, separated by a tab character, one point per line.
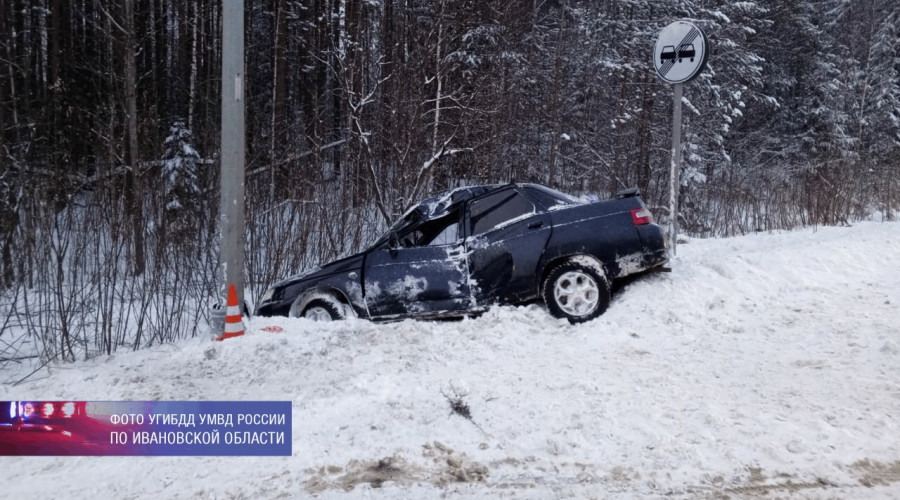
535	224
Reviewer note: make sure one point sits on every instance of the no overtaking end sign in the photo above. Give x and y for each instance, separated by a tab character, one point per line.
679	56
680	52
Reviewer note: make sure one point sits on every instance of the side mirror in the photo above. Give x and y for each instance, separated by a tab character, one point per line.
393	243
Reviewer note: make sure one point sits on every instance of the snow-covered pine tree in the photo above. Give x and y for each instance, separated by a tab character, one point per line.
876	106
714	105
179	171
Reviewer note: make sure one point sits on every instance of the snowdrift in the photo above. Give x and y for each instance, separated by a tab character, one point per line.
762	365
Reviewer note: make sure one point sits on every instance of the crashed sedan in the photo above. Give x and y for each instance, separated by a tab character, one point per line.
457	253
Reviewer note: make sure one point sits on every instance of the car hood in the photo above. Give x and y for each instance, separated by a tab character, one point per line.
351	263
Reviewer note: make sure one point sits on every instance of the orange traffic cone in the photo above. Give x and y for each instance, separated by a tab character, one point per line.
234	326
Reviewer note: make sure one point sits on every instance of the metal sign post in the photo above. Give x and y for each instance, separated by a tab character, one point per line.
674	178
679	56
231	200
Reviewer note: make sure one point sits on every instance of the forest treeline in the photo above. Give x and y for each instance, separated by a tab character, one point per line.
110	119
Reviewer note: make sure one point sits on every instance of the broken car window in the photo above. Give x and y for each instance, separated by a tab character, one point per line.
441	231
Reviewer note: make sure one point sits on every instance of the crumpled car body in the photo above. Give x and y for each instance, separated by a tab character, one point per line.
457	253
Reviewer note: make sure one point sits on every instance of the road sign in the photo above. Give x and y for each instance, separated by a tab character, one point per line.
680	53
679	56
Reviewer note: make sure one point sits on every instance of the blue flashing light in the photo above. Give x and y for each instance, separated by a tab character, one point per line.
13	405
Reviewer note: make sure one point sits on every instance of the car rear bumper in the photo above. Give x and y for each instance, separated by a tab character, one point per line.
655	246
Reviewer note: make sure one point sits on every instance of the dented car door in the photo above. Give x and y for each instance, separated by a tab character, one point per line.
420	271
508	234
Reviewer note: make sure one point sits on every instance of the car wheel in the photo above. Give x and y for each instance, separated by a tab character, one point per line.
323	309
577	290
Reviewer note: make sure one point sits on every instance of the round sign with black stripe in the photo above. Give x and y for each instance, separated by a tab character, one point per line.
680	53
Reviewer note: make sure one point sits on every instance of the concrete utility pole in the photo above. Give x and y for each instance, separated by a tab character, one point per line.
231	200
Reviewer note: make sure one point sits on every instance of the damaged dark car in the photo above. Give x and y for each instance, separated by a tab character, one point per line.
459	252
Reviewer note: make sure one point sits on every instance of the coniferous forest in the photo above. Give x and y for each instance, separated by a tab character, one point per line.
110	119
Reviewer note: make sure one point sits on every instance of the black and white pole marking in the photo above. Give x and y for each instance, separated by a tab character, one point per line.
679	56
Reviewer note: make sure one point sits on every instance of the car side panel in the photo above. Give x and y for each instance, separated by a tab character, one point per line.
503	262
416	281
604	230
345	283
275	308
342	276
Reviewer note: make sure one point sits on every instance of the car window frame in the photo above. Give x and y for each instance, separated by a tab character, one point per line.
538	193
414	227
408	227
469	225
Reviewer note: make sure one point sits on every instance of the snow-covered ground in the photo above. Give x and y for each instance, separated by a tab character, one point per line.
762	366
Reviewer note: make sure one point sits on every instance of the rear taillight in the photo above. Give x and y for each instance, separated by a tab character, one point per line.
641	216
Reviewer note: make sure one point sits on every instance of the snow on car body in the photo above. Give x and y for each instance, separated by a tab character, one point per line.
461	251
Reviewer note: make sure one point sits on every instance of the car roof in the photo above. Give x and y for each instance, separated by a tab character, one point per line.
441	203
444	202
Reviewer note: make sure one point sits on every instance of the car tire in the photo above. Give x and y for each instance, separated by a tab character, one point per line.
576	290
323	309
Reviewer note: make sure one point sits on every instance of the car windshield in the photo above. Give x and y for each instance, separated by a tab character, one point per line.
414	232
408	219
434	207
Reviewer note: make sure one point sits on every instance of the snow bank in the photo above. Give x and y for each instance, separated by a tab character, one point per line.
762	365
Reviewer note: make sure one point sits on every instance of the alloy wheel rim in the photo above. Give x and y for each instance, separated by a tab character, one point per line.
576	293
317	313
